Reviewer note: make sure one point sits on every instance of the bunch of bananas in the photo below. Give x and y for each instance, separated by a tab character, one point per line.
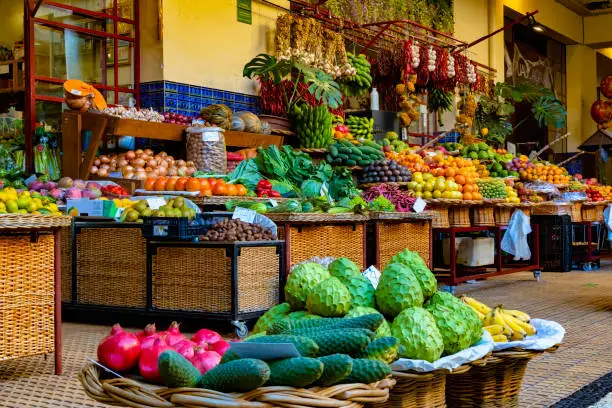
361	127
504	325
314	126
439	101
358	84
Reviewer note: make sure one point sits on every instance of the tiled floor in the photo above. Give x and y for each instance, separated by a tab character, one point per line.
581	301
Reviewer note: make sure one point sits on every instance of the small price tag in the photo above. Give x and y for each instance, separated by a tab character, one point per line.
373	275
156	202
211	136
419	205
244	214
30	179
323	190
264	351
273	203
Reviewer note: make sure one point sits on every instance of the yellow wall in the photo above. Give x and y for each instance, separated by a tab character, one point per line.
204	44
151	49
12	22
581	93
471	23
552	15
597	30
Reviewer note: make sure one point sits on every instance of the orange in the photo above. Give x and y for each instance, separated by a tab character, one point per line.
450	172
232	190
468	196
467	188
469	180
221	181
180	184
207	192
242	190
476	196
160	184
150	183
459	188
219	189
460	179
212	182
193	184
171	184
204	184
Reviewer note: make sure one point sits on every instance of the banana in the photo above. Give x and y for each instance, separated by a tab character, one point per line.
495	329
498	317
522	316
476	305
500	338
526	327
480	315
488	319
517	331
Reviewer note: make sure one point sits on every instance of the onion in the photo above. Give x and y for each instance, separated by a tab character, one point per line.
128	175
154	173
102	172
162	163
172	171
130	155
139	152
152	163
139	163
182	171
93	170
148	169
190	164
122	163
97	162
162	171
190	171
145	156
113	162
163	154
127	169
180	163
141	175
148	152
104	159
105	166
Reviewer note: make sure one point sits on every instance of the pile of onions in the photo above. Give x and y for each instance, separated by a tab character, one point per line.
141	164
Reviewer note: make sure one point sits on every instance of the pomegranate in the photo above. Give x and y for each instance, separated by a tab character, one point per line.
147	336
606	86
600	111
173	334
205	360
205	337
186	348
147	364
220	347
120	350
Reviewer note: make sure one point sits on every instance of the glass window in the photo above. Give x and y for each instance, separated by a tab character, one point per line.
125	9
65	16
100	6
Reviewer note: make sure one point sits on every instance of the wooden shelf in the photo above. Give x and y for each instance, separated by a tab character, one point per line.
73	123
11	90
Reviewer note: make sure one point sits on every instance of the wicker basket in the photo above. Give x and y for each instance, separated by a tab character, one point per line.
422	390
111	267
26	295
124	392
199	279
483	216
551	208
66	259
392	237
459	216
592	213
502	215
440	216
494	382
576	212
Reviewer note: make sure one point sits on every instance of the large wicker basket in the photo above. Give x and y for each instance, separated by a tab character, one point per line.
592	212
440	216
126	392
494	382
459	216
483	216
422	390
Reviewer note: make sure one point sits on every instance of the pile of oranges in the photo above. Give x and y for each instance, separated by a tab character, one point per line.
412	161
546	172
205	186
462	171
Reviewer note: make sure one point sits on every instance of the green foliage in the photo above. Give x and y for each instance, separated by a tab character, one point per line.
381	203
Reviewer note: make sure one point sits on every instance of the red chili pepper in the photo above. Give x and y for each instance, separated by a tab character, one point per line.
274	193
263	193
264	185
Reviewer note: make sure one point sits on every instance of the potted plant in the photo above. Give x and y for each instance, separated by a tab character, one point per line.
286	83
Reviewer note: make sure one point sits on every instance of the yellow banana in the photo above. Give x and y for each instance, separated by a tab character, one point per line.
488	319
498	317
522	316
526	327
480	315
507	332
517	331
476	305
495	329
500	338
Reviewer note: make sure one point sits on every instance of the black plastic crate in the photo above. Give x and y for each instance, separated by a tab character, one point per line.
555	242
180	228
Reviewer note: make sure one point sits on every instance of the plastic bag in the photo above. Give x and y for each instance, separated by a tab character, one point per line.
515	239
549	334
206	148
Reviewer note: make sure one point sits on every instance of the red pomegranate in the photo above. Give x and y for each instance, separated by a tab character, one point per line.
600	111
606	86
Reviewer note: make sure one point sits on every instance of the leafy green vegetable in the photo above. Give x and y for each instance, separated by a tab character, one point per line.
285	188
341	184
381	203
246	173
312	188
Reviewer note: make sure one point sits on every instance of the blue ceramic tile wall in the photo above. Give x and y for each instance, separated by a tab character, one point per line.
189	99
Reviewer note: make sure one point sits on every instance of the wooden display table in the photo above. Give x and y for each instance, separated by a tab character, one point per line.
30	289
74	123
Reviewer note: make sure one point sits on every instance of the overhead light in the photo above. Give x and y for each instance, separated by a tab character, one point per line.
535	26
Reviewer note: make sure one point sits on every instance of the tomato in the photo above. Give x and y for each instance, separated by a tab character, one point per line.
221	181
149	184
160	184
232	190
204	184
180	184
193	184
171	184
206	192
242	191
212	182
219	189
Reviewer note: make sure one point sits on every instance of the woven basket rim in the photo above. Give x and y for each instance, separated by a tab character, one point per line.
127	392
382	215
33	221
316	217
391	183
594	203
422	375
512	353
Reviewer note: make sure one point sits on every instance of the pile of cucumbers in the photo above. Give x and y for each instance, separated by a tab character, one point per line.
314	125
361	127
345	153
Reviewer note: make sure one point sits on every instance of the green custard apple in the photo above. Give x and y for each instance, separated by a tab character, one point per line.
458	323
398	289
361	290
343	268
329	298
383	330
272	316
417	332
429	284
300	282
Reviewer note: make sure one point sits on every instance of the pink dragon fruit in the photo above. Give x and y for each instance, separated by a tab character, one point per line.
65	182
92	184
50	185
92	193
56	193
36	185
73	193
80	184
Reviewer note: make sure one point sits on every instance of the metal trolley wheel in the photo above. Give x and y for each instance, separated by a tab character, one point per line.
537	274
241	328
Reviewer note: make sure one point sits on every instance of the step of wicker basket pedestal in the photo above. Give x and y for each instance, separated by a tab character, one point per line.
440	216
592	213
459	216
483	216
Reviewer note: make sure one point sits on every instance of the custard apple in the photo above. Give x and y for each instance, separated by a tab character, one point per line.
344	268
272	316
417	332
413	260
397	290
458	323
300	282
384	330
329	298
